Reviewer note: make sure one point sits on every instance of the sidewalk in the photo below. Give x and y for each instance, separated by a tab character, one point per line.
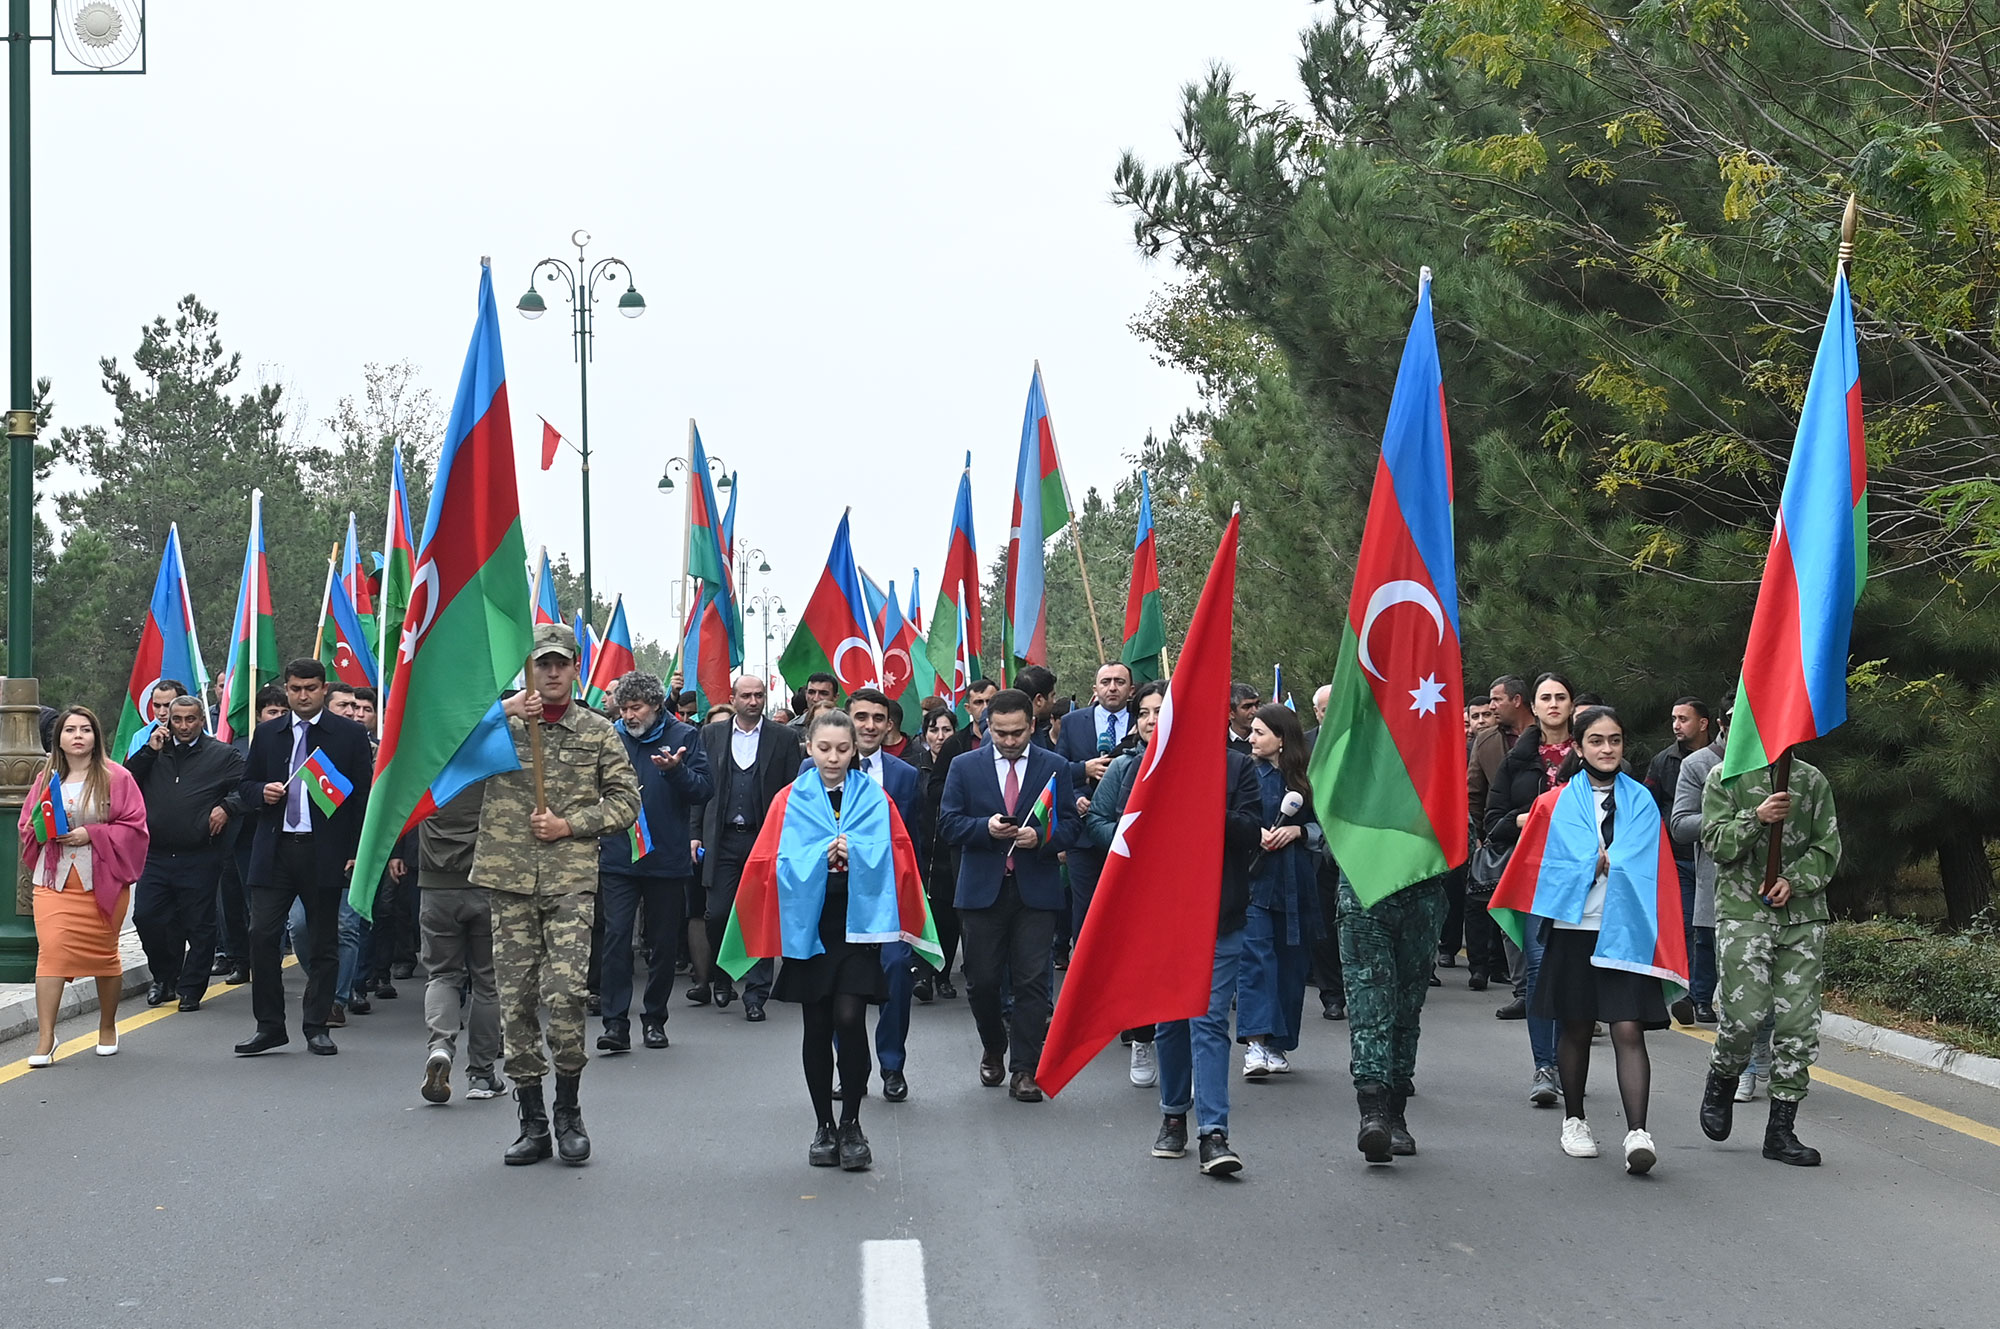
17	1000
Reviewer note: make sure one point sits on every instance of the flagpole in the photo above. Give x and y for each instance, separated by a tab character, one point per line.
687	528
319	630
256	535
382	631
1781	769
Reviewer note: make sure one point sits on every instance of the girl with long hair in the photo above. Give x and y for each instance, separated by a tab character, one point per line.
81	876
1284	899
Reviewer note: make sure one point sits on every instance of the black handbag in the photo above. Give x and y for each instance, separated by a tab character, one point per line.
1485	868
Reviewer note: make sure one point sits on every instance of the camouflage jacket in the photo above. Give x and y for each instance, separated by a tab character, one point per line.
590	784
1731	832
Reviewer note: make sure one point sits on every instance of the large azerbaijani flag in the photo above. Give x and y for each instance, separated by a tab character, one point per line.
1040	513
612	660
168	651
1388	772
901	648
1794	683
398	566
253	644
546	608
709	538
469	625
1145	629
953	649
833	635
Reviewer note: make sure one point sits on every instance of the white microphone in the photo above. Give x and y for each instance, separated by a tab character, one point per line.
1291	803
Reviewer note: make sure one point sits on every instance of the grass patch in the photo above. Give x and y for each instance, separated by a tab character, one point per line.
1901	975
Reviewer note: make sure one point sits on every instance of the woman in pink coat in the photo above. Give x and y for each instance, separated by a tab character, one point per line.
83	875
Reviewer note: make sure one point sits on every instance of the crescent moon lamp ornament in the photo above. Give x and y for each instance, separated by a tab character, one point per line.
840	653
1391	593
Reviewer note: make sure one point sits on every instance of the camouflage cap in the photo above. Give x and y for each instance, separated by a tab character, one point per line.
554	639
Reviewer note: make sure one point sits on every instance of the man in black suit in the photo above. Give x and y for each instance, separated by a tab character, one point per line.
1085	739
749	760
1243	703
1040	685
300	852
1010	889
978	696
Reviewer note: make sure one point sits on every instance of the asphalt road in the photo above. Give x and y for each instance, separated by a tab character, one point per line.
177	1185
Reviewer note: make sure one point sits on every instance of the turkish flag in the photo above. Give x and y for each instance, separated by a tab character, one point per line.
550	441
1147	951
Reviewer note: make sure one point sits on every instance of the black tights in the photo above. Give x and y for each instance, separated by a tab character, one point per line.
840	1020
1635	1069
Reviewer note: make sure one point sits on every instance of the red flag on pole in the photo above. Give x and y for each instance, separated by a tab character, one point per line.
551	440
1148	946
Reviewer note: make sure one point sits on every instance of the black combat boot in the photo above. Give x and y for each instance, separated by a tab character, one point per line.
1780	1143
571	1143
1400	1139
1373	1139
1718	1105
533	1145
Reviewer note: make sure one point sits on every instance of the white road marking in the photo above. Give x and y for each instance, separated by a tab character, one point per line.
892	1286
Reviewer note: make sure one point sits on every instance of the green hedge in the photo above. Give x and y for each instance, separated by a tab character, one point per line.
1954	978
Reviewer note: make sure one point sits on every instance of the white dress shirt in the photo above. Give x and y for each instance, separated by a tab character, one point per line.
743	743
297	820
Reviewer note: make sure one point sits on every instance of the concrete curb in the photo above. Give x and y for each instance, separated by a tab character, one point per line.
17	1000
1908	1047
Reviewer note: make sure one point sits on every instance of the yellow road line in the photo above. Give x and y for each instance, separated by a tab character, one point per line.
1888	1098
15	1070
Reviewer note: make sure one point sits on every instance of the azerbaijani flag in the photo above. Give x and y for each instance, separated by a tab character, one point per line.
783	890
642	837
953	649
586	647
359	592
612	660
1555	864
253	645
1040	512
1388	772
325	785
1043	811
901	649
1145	628
833	635
168	651
915	613
50	818
396	571
709	557
344	647
469	624
546	608
1794	683
704	656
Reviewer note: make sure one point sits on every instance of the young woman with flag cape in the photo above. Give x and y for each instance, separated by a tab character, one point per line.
1594	865
833	876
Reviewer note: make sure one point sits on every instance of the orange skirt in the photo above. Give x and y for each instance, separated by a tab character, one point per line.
73	938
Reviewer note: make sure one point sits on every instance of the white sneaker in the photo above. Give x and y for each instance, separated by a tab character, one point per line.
1256	1065
1746	1086
1639	1152
1145	1070
1578	1142
1275	1059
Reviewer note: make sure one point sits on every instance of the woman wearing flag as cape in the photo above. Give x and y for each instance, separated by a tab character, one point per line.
833	875
1595	868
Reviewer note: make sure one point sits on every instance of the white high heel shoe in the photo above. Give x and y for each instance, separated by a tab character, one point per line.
37	1060
107	1049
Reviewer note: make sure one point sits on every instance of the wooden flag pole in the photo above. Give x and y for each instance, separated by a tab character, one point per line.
534	728
319	629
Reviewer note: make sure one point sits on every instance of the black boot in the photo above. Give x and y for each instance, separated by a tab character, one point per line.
1780	1143
1400	1139
1373	1138
571	1143
1718	1105
533	1146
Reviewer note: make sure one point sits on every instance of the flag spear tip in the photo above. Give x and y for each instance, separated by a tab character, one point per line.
1424	275
1235	509
486	261
1850	222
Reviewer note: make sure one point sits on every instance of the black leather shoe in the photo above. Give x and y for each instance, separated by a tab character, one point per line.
655	1032
699	995
753	1011
922	990
533	1144
237	977
992	1069
386	990
336	1016
1333	1010
593	1004
1516	1009
1476	980
321	1045
617	1037
1704	1012
824	1151
894	1087
945	989
855	1156
1718	1106
572	1141
221	966
190	1003
360	1005
156	993
262	1041
724	994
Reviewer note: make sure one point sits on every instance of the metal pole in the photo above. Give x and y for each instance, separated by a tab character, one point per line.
21	416
583	385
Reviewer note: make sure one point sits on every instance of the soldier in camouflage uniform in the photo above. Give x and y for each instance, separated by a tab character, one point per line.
541	867
1769	948
1387	953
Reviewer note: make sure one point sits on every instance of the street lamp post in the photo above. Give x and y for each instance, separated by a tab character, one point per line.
580	283
766	604
743	559
720	471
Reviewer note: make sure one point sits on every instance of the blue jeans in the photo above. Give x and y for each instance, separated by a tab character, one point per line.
1541	1033
1701	982
1194	1054
357	952
1271	980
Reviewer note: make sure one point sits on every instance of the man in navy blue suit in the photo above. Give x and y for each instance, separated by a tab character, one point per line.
869	709
1010	889
1086	739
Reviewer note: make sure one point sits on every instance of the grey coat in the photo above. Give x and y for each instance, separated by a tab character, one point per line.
1685	827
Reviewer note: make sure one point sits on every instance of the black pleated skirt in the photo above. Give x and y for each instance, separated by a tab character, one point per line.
1570	987
844	966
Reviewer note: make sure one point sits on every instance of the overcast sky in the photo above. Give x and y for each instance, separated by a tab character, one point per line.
856	228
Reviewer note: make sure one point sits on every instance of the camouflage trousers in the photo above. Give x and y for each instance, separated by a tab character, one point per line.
1386	956
541	950
1769	970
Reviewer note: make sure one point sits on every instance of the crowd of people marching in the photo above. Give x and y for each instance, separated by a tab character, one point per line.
817	855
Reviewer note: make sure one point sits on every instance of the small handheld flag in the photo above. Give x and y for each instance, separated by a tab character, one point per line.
51	819
1043	813
642	837
324	782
